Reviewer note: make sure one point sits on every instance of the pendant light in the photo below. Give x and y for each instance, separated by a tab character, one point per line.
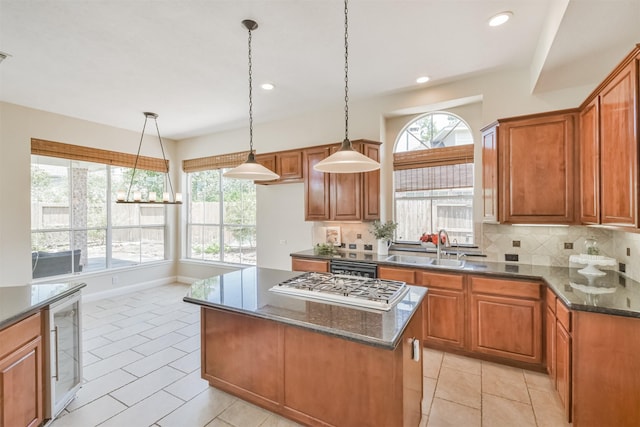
170	198
251	169
346	159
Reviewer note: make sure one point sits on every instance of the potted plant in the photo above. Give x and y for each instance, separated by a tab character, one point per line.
383	232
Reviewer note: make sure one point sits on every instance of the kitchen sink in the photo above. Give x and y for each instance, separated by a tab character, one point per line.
447	263
409	259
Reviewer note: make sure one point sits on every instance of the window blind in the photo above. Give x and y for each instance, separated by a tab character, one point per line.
214	162
77	152
433	169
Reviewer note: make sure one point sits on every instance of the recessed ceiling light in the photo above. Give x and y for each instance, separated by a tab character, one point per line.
500	19
422	79
267	86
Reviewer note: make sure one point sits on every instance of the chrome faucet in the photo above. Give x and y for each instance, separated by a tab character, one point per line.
439	245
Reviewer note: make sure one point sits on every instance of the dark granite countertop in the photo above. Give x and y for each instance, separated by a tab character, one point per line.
246	291
613	293
18	302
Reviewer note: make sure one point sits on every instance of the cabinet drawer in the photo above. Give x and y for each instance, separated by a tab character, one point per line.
18	334
564	316
513	288
550	298
437	280
401	274
298	264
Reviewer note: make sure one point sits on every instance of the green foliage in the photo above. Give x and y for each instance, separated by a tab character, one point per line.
325	249
384	230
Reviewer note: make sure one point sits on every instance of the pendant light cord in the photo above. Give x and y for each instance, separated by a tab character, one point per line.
250	100
346	72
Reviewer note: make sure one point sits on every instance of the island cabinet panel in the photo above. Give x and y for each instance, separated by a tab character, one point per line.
506	319
536	166
444	309
242	354
21	367
314	378
606	383
619	148
303	264
589	145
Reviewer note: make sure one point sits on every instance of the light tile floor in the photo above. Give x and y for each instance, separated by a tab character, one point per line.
142	368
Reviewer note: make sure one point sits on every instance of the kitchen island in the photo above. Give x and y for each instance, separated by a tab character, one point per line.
313	362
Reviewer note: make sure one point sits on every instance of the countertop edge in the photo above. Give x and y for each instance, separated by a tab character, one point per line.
4	323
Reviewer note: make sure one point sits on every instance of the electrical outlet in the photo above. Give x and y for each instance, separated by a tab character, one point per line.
511	257
358	236
368	247
283	242
622	267
115	280
352	246
568	245
516	243
628	251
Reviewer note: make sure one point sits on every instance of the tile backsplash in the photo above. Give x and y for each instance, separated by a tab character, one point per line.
535	245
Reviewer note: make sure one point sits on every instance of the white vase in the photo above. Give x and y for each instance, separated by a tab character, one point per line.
383	246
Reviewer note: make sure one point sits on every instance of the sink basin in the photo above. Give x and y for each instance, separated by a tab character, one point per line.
447	263
408	259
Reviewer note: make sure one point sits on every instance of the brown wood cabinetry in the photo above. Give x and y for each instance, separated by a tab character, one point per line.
343	196
589	146
536	178
21	367
407	275
558	351
444	309
506	319
490	188
310	377
304	264
287	164
527	169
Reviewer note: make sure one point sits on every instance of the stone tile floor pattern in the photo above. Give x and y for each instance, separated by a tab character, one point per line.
142	368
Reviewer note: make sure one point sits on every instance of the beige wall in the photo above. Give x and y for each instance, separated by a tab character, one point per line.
478	100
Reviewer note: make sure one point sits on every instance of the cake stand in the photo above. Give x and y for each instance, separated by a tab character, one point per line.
592	262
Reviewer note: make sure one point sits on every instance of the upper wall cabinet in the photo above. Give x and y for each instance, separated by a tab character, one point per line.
609	148
528	169
344	196
287	164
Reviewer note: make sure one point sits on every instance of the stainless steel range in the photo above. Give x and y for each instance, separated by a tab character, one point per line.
379	294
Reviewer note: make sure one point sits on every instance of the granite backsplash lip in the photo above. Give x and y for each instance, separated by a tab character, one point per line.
246	291
613	293
18	302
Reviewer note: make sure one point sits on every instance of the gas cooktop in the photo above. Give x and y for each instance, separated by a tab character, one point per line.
358	291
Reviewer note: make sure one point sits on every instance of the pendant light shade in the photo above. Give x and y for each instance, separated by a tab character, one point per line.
251	169
346	159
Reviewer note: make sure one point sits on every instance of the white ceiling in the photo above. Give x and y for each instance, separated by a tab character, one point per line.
107	61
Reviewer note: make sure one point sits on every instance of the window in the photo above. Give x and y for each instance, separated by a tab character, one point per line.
221	218
76	226
433	178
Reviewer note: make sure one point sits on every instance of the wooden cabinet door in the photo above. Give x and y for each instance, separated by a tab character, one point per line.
506	327
316	186
346	197
371	185
590	163
537	178
563	367
289	165
490	174
619	149
444	318
300	264
550	343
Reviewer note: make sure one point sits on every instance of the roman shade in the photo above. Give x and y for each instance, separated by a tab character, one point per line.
221	161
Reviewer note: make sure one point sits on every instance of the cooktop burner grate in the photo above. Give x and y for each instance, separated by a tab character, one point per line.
353	290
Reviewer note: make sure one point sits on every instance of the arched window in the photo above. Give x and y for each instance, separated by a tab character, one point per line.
433	178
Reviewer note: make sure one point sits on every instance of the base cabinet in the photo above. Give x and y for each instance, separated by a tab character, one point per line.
303	264
21	366
444	310
506	319
313	378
